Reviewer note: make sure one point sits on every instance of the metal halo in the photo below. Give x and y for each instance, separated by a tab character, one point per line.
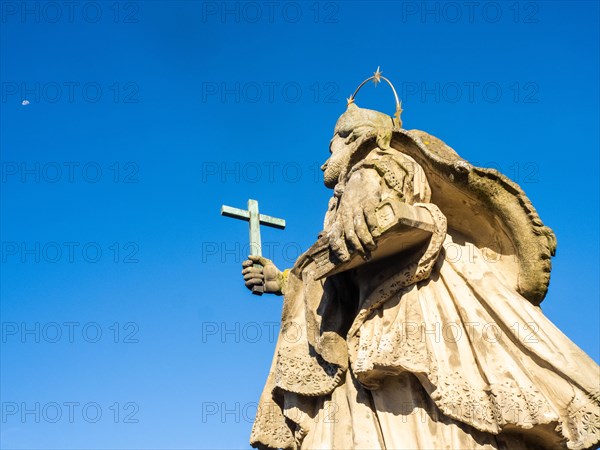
376	78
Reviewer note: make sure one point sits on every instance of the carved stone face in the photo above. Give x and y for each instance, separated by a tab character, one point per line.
340	157
355	124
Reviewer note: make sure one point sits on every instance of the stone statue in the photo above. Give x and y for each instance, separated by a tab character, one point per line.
414	320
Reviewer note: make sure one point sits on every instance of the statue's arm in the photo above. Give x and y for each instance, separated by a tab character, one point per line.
386	178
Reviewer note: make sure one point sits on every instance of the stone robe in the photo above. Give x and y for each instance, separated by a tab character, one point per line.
432	351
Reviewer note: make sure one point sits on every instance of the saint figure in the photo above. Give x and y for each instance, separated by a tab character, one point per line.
414	320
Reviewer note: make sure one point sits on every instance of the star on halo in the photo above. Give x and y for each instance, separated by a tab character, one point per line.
377	76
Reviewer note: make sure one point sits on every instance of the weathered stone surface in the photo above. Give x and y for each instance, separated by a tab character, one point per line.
439	343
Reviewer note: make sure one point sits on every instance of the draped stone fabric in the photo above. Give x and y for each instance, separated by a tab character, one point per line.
440	352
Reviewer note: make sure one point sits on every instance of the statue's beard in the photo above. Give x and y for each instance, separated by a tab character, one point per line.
332	173
337	164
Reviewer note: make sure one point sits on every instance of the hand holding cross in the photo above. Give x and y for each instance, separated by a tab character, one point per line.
255	220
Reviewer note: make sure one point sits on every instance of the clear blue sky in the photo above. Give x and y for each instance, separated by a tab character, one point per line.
144	117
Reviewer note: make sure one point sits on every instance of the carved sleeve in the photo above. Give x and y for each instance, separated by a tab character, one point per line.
400	176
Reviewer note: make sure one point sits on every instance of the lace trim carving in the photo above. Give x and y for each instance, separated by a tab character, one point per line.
270	429
308	374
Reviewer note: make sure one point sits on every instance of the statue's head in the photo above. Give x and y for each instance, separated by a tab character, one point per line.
352	129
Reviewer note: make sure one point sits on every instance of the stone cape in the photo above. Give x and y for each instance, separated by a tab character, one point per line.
375	372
